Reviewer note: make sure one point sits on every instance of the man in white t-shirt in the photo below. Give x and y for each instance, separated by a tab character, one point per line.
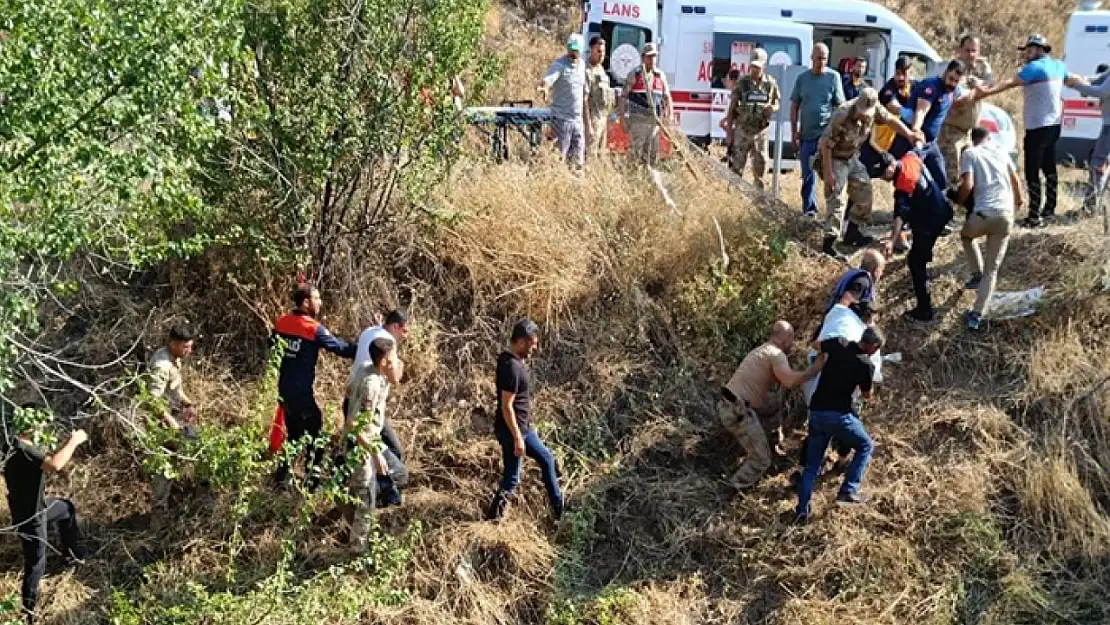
395	329
990	181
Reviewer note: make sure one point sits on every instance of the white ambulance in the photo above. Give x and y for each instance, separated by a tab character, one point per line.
1086	47
701	40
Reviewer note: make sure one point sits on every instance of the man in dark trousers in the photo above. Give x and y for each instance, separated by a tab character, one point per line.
920	198
513	423
831	416
32	511
304	337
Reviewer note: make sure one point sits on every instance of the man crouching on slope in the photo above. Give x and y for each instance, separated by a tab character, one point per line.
747	408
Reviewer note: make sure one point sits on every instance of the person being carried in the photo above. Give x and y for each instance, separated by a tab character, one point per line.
171	404
513	424
32	511
919	198
989	179
831	416
841	169
303	337
395	329
375	475
747	407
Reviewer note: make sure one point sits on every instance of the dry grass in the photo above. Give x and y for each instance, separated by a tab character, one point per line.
989	481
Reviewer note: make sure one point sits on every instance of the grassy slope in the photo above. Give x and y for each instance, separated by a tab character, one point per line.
989	485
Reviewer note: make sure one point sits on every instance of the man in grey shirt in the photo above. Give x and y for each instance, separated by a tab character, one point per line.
817	94
1099	88
565	79
990	188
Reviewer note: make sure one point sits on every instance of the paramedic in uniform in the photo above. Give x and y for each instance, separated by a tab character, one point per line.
955	132
755	99
849	128
645	104
599	99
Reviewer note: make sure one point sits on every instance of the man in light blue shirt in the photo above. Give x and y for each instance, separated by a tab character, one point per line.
1042	79
817	94
1099	88
565	79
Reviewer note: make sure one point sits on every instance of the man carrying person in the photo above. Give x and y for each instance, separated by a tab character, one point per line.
854	82
513	424
395	330
1042	78
172	405
955	132
848	130
645	103
831	415
1098	87
376	473
32	511
816	96
599	99
754	100
930	102
565	78
989	179
919	198
747	408
303	337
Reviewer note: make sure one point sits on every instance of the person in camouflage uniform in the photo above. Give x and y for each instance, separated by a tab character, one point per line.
840	166
955	134
755	98
599	100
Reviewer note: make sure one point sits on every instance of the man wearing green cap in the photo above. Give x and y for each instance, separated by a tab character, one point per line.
565	80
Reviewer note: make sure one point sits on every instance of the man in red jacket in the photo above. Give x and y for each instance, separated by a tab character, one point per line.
303	337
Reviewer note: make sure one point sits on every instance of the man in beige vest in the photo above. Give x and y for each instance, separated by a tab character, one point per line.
955	134
747	408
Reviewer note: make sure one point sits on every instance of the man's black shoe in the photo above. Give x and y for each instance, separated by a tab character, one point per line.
851	499
1032	222
857	238
829	248
390	496
946	230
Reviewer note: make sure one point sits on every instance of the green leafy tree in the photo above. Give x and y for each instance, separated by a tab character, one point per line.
100	127
345	108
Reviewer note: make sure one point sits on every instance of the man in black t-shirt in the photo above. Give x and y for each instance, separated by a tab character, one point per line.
848	367
32	511
513	423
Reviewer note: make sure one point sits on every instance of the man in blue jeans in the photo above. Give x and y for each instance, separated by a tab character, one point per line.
817	93
830	416
513	423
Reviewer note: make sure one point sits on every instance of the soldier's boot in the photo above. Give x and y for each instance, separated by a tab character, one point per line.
829	248
857	238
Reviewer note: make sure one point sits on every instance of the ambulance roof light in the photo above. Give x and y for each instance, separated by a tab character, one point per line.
1089	5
